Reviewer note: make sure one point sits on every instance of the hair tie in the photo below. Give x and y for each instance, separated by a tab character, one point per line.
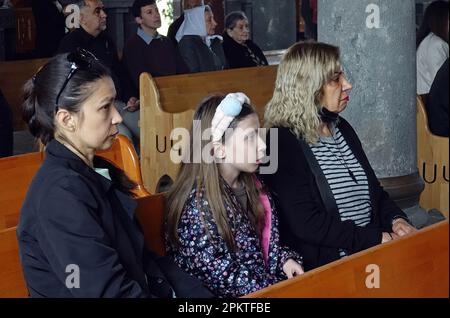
227	110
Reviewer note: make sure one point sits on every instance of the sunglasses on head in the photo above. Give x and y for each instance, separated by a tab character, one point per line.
80	59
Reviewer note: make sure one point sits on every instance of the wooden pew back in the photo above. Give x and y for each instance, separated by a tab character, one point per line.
123	155
432	162
413	266
18	171
12	282
13	75
150	213
169	102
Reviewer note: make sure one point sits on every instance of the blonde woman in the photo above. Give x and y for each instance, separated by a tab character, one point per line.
330	201
222	226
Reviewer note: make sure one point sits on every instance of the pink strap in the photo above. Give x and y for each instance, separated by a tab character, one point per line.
265	235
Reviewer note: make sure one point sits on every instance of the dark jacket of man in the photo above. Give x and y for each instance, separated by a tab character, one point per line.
159	58
75	220
50	27
102	47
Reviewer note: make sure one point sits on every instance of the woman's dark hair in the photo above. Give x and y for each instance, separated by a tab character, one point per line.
58	77
232	19
138	5
434	20
41	92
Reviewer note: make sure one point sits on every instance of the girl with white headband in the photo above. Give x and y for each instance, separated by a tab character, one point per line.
221	225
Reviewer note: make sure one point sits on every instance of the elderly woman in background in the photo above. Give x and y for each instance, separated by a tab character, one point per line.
200	49
239	50
331	203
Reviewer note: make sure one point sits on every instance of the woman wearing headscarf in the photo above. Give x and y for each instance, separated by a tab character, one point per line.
201	50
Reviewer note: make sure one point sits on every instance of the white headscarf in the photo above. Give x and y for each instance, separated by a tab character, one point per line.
193	24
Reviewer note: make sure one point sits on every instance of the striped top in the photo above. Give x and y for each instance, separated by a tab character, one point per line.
352	198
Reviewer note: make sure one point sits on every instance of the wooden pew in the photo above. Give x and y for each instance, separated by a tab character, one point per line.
12	282
432	162
168	103
18	171
13	75
414	266
123	155
150	213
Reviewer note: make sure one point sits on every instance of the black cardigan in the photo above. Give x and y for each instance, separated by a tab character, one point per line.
309	219
237	55
72	215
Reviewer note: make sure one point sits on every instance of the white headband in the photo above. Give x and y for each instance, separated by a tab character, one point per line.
228	109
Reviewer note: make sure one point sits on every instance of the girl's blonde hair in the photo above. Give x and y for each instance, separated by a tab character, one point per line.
304	70
206	175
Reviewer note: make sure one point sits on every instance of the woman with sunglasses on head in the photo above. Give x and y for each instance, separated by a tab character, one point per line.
330	201
78	236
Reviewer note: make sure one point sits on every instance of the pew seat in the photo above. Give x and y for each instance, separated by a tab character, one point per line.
12	282
18	171
432	162
413	266
169	102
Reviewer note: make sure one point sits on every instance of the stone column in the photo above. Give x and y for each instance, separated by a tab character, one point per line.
377	41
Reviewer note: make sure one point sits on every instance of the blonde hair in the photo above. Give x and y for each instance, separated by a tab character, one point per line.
304	70
206	175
